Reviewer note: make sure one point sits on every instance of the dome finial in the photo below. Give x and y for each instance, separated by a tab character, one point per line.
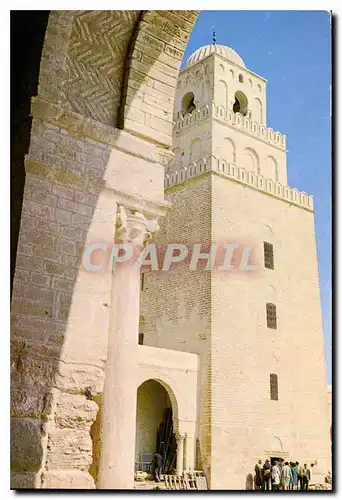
214	36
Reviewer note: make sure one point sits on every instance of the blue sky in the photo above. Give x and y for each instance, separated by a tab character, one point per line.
291	49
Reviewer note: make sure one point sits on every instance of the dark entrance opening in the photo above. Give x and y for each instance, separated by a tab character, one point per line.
275	459
27	37
154	427
166	442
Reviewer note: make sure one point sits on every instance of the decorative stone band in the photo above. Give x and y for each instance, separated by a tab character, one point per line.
134	228
239	174
236	120
87	128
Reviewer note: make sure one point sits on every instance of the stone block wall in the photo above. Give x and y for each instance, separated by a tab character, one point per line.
245	421
175	304
238	423
60	310
53	301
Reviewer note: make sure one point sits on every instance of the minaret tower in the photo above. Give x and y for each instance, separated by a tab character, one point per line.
216	81
262	385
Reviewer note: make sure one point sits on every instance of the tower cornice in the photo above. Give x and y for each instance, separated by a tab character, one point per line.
254	180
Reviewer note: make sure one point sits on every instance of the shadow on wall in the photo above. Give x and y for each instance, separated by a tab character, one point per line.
27	37
249	482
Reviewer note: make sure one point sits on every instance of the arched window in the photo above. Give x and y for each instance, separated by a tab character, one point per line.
196	150
229	150
221	97
188	104
251	160
258	110
271	168
241	78
241	103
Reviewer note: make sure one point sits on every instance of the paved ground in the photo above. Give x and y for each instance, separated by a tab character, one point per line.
148	485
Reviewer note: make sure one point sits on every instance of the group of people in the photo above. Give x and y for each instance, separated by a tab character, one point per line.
281	475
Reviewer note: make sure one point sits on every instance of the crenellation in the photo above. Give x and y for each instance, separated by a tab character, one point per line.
240	174
251	127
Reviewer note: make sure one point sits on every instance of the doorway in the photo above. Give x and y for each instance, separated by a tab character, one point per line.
154	427
275	459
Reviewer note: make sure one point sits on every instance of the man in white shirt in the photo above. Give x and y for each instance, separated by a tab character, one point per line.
275	476
286	476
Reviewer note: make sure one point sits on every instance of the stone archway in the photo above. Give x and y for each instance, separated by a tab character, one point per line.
104	100
155	429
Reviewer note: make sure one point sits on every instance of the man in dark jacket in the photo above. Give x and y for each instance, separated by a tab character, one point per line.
157	465
258	475
266	476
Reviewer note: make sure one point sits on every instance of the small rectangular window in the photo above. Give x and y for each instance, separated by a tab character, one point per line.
142	281
268	255
141	339
271	316
274	386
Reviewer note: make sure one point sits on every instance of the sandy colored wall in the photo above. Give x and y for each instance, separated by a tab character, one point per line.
245	351
243	424
176	303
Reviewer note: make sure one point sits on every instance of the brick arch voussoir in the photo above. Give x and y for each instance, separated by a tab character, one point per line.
152	66
53	61
84	59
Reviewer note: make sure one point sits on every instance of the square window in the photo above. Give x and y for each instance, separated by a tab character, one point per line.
268	255
274	386
271	316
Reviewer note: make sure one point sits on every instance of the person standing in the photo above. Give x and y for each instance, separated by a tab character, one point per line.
266	476
258	475
294	482
300	475
286	476
306	477
275	476
157	465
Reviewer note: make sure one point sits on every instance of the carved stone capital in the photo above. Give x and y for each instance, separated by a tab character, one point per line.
134	228
179	437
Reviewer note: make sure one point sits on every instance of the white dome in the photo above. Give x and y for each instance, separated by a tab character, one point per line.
222	50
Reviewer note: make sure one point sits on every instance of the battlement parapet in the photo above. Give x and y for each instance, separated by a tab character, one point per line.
233	119
239	174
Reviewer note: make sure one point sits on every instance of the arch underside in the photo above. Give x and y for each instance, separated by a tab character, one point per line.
107	60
